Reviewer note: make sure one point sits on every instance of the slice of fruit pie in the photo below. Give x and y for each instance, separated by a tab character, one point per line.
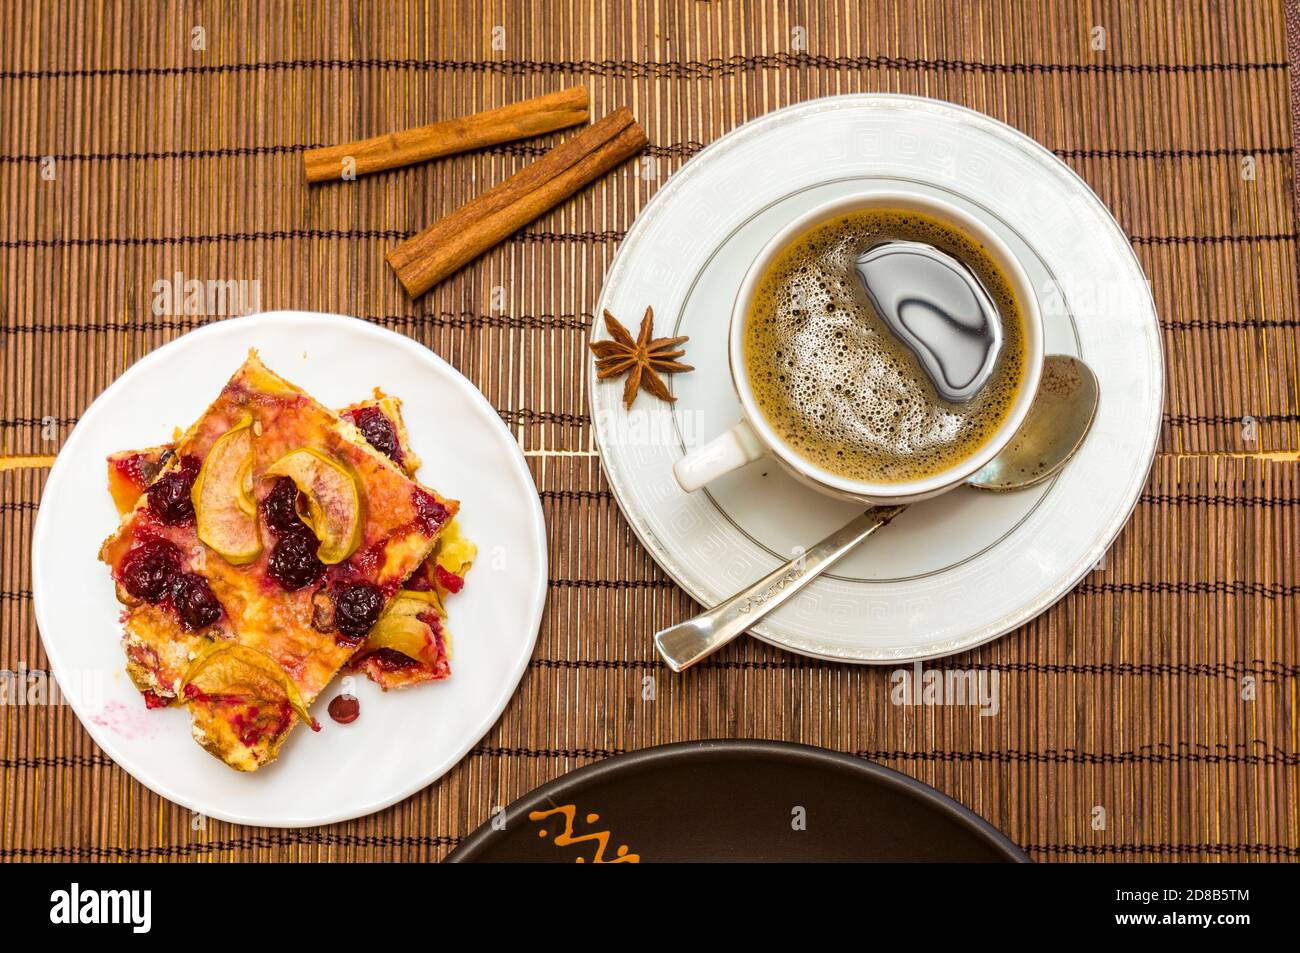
259	557
396	653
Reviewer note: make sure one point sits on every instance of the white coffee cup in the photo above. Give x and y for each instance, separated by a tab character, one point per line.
752	438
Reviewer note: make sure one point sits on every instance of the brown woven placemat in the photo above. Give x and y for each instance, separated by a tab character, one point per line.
1150	714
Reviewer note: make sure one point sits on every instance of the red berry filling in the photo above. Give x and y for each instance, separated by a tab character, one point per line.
448	580
434	622
357	608
391	660
429	513
148	570
418	582
194	601
293	562
169	495
378	431
253	724
368	561
280	508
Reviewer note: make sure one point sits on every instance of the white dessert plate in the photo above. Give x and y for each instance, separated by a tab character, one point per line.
404	739
950	573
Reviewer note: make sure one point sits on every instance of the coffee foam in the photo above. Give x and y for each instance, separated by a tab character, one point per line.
836	384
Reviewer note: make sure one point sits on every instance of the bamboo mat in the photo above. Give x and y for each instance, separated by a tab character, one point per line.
1162	692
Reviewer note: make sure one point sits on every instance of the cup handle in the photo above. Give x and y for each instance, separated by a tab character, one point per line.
722	454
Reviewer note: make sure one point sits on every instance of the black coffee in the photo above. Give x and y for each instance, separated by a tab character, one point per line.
838	386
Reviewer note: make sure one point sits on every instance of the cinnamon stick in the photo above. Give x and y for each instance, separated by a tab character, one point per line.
531	117
444	247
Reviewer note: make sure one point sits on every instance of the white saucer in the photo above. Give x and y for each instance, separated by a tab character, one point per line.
403	739
950	573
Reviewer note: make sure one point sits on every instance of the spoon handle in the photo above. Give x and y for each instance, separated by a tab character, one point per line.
685	644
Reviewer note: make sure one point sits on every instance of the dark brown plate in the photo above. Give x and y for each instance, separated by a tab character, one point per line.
736	801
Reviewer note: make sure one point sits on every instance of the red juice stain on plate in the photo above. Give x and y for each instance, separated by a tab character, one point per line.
344	709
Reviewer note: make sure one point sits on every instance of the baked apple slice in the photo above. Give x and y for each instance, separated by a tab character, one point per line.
333	500
230	670
223	504
401	629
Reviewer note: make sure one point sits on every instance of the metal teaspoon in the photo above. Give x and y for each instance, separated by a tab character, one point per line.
1053	430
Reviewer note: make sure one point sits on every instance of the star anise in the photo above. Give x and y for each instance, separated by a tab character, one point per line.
643	360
